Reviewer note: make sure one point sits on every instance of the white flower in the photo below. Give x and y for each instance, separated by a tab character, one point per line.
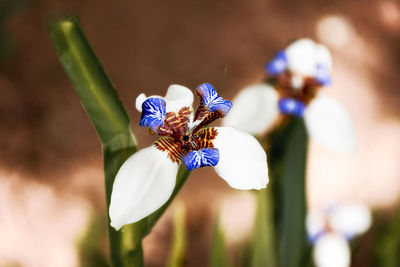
297	74
147	179
332	251
330	231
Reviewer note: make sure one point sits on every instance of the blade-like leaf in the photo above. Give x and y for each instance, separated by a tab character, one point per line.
219	254
111	122
177	254
91	83
262	248
106	112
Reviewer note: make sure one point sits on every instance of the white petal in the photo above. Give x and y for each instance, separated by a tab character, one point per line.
242	161
351	219
177	97
332	251
142	185
304	55
254	109
324	56
301	57
330	124
139	101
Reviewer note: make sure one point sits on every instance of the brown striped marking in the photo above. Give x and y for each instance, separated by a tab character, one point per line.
176	148
204	137
175	123
208	118
173	147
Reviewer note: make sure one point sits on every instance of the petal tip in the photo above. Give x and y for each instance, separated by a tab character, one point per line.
139	101
117	227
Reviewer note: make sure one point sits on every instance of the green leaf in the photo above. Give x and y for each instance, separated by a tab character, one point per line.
91	83
293	231
262	248
107	114
177	254
219	253
386	242
111	122
91	244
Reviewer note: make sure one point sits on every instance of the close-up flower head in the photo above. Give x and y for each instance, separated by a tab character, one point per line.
295	78
147	179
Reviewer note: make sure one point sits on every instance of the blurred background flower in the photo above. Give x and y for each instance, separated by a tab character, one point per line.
330	231
51	178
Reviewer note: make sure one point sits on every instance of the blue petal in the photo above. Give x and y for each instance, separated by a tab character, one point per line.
323	75
313	238
211	100
201	158
278	64
292	106
153	113
348	235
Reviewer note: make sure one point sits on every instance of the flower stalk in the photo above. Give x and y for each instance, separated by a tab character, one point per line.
288	156
293	236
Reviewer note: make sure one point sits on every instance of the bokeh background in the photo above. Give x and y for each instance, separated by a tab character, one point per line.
51	181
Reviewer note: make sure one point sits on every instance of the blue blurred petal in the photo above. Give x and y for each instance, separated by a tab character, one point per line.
153	113
211	100
348	235
313	238
323	75
278	64
201	158
292	106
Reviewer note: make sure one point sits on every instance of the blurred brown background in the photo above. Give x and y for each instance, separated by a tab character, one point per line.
50	159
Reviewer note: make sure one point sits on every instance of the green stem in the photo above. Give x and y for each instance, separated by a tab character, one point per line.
294	197
177	253
288	167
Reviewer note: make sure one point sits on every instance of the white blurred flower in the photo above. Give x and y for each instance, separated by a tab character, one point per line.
146	179
331	230
297	74
332	251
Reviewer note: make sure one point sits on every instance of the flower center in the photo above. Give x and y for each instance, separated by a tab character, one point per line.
176	148
185	138
192	146
295	89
